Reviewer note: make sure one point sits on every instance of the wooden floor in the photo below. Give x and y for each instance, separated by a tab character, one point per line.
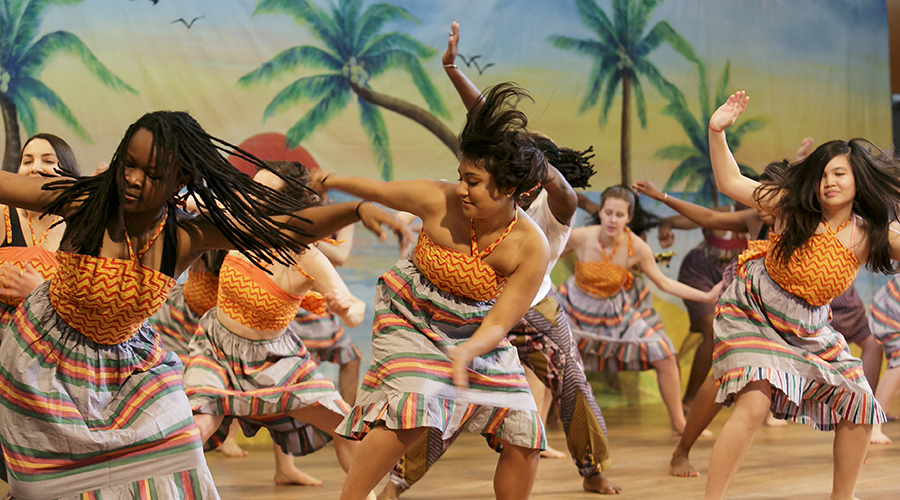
792	462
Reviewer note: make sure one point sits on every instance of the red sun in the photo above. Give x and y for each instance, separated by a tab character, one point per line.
271	146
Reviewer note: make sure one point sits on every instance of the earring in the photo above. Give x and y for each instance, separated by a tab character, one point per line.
509	195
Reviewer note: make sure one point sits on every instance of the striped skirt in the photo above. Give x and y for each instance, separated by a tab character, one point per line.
325	337
176	323
885	320
258	382
701	272
409	383
848	316
85	420
614	334
790	344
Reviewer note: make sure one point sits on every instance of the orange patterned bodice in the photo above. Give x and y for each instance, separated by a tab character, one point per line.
249	296
42	260
461	274
817	273
602	278
105	299
200	291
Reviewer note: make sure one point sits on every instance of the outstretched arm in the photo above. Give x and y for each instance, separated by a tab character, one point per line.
467	90
338	251
561	198
25	192
706	218
421	197
328	282
648	264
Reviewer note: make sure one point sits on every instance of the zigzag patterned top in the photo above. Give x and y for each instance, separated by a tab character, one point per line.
107	299
461	274
817	273
200	291
602	278
42	260
249	296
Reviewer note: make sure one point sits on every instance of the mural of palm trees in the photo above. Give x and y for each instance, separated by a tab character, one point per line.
694	171
23	58
621	56
355	51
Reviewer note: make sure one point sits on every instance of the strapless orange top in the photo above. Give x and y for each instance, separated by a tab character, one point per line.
249	296
200	291
461	274
817	273
602	278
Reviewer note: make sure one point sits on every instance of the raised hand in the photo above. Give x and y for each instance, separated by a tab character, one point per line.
375	218
727	113
805	148
648	188
452	44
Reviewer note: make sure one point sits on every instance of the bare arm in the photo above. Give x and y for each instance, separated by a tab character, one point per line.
339	251
587	205
648	264
467	90
25	192
420	197
561	198
706	218
328	282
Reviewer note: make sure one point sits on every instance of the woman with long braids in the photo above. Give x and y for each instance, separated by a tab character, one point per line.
440	355
775	349
93	405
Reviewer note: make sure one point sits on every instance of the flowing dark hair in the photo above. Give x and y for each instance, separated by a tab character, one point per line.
495	135
299	176
68	164
877	179
641	220
239	207
574	165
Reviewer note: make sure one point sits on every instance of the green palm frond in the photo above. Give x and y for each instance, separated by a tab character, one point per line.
603	70
409	63
305	89
291	59
684	171
642	15
65	42
376	16
722	87
591	48
639	103
612	86
683	116
39	92
595	19
663	32
748	125
397	41
375	129
326	109
305	13
678	152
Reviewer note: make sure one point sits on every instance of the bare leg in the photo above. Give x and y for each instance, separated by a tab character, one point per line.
886	393
348	381
670	389
871	356
702	360
515	473
379	451
229	447
207	424
850	444
702	412
288	473
750	409
327	421
543	398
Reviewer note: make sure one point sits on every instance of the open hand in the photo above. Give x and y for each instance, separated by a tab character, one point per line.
452	44
19	283
375	218
727	113
805	148
648	188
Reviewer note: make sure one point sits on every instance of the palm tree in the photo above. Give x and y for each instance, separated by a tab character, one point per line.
355	52
22	59
694	170
621	56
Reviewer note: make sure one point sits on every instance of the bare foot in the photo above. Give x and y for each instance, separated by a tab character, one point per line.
295	476
680	466
230	448
775	422
879	437
552	453
390	492
601	485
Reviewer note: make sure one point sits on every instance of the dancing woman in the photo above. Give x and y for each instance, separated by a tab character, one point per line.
775	348
93	406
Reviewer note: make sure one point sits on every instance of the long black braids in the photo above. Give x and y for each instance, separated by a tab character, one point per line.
574	165
239	207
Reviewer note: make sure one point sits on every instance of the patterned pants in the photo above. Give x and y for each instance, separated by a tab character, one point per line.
545	345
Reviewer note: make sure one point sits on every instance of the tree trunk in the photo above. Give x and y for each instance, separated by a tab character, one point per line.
625	152
411	111
13	141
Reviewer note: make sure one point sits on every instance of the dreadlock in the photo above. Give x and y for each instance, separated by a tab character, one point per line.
240	208
574	165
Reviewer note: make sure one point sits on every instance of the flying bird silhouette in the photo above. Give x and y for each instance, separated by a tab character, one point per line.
154	1
472	61
188	24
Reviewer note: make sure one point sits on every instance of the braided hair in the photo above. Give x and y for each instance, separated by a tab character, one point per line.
240	208
574	165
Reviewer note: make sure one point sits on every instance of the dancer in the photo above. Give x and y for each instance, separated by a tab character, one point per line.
440	357
774	347
885	324
246	361
543	339
93	406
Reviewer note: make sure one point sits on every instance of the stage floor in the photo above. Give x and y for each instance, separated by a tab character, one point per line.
792	462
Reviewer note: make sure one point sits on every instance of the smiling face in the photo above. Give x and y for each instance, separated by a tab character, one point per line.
837	187
38	159
614	216
477	191
147	187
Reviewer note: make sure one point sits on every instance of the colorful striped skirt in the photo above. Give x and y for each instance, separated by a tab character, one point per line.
176	323
409	383
885	320
85	420
848	316
789	343
701	272
325	337
258	382
613	334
